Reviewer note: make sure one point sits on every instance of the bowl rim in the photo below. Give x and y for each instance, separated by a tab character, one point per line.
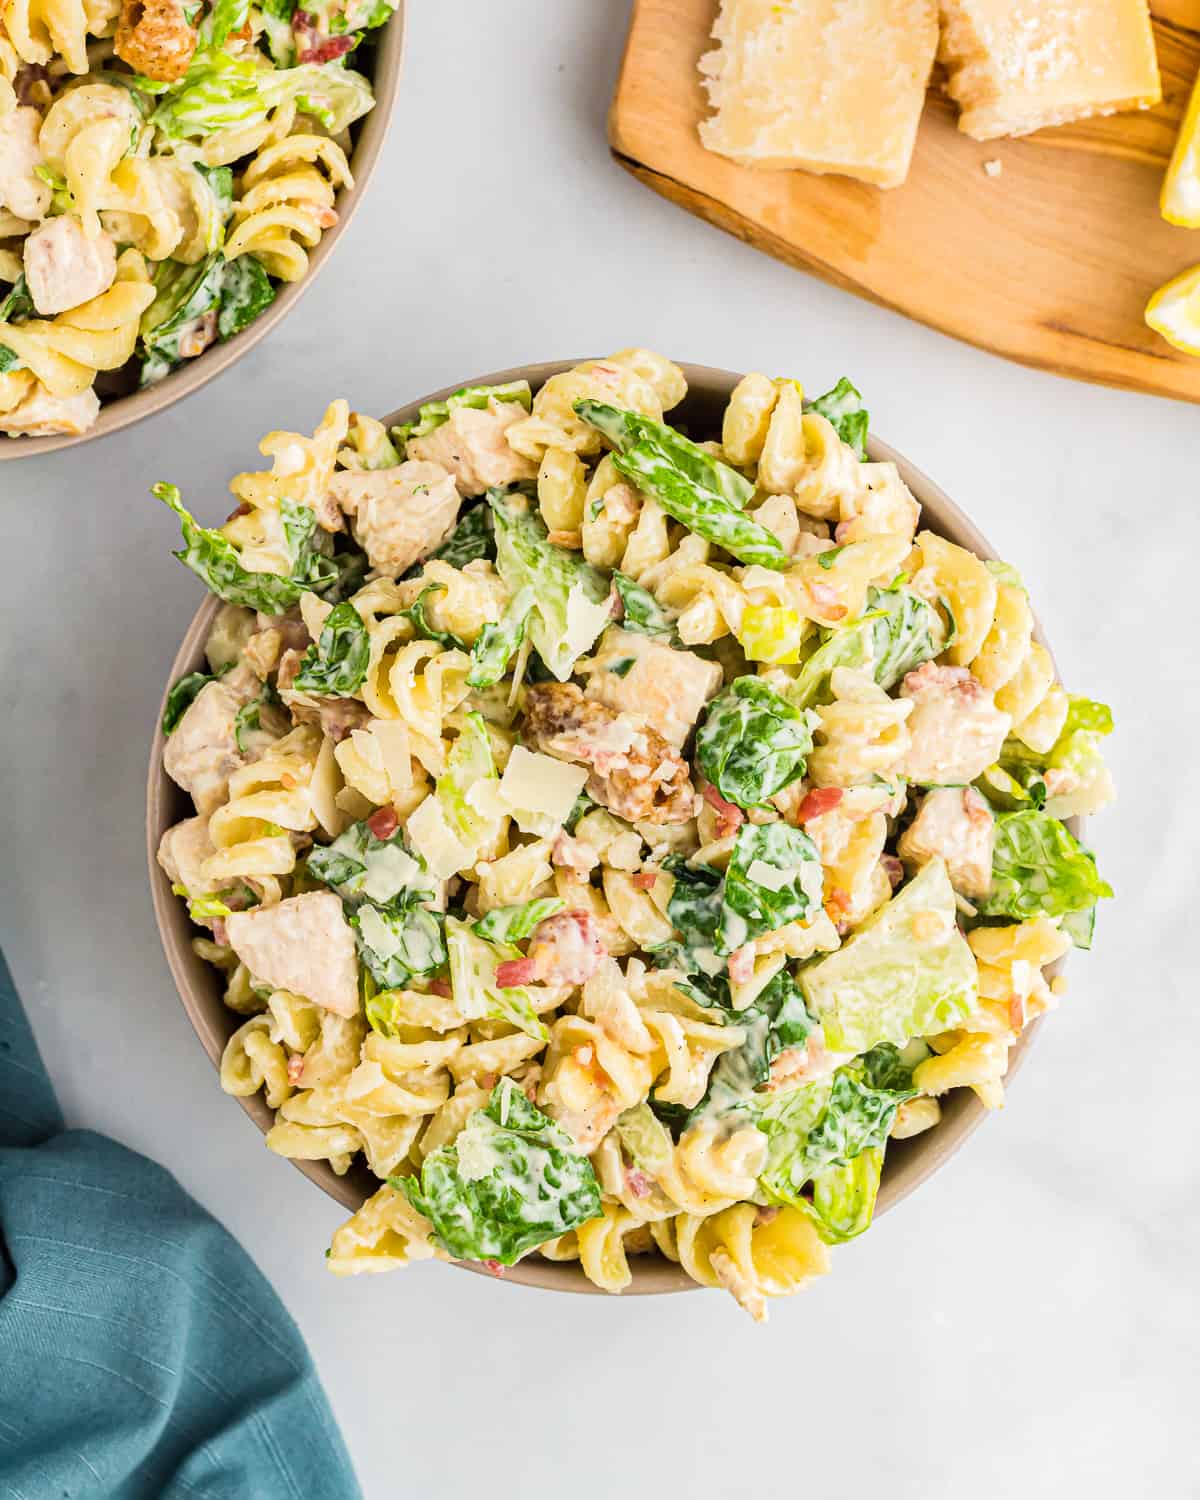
184	382
908	1163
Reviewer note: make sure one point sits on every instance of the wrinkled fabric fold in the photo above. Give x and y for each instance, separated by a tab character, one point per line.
142	1354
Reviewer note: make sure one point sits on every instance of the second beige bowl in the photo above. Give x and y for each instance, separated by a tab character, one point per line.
908	1163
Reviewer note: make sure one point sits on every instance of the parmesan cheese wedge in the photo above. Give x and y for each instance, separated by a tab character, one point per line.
824	85
1174	311
1014	66
1180	199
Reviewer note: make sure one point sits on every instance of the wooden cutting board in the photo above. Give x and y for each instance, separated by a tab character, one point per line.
1050	263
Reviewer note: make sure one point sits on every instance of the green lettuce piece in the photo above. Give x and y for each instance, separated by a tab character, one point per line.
641	611
572	601
774	877
220	91
1080	926
183	695
752	743
886	983
626	430
472	538
695	909
434	413
395	944
1077	751
499	643
238	290
827	1124
17	303
420	622
469	762
337	664
361	867
509	1182
246	291
1039	869
646	1139
897	631
1005	573
248	719
214	559
513	924
843	1197
843	408
775	1021
473	964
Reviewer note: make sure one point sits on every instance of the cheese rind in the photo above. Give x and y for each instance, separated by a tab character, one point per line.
823	85
1014	66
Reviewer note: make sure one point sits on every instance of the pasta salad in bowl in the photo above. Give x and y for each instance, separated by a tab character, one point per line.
170	172
626	802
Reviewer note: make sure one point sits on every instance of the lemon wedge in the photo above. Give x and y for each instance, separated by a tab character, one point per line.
1180	198
1174	311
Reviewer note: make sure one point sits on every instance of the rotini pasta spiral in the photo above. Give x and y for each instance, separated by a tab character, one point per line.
286	203
861	735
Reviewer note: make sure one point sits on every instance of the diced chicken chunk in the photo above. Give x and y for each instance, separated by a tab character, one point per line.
202	753
64	266
183	850
956	825
304	945
21	190
636	674
155	38
42	415
399	514
635	773
473	446
956	728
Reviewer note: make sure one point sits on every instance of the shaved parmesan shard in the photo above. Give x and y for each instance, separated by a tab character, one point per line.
540	791
435	841
772	879
1014	66
586	622
825	85
396	749
377	935
389	871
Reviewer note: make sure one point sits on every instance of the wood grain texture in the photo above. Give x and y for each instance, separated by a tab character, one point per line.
1051	263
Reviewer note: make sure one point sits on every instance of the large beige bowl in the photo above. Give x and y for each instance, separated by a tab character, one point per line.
369	136
909	1162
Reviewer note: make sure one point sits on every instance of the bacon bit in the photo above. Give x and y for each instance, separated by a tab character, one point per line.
383	822
741	964
821	800
841	532
827	599
1016	1013
565	949
311	46
492	1266
242	510
570	539
976	807
583	1056
731	817
573	854
765	1216
837	906
295	1068
893	869
646	880
637	1182
219	932
288	781
515	971
197	339
440	987
326	217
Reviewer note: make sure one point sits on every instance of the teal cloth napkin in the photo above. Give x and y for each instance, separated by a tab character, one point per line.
142	1353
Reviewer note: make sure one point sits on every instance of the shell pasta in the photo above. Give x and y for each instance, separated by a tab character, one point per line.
612	838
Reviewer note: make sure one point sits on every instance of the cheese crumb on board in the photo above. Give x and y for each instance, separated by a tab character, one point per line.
993	168
823	85
1014	66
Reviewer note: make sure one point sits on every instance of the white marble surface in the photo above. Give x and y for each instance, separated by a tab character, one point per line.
1027	1324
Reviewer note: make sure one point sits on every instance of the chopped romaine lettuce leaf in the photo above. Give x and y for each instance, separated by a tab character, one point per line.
513	924
510	1181
907	972
693	487
396	944
214	559
897	631
774	877
335	666
843	408
572	604
183	695
1039	869
752	743
498	643
472	538
843	1196
641	611
473	963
